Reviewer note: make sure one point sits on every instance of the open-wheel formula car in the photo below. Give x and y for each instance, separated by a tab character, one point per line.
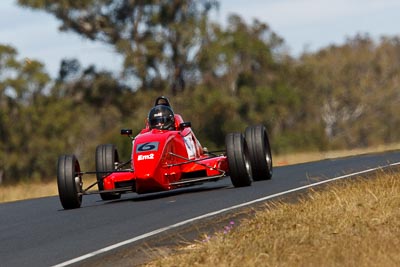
166	159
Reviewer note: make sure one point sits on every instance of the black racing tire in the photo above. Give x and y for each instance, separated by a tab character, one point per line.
69	182
106	160
260	152
238	160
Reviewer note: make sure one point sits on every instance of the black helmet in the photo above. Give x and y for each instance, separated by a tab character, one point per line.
161	117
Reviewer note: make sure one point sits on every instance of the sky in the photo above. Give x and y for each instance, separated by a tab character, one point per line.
305	25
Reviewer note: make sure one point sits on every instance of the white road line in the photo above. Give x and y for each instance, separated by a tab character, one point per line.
155	232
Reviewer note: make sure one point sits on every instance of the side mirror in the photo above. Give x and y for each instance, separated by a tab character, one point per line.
127	132
184	125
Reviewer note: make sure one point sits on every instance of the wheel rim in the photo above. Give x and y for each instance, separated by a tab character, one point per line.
268	158
247	161
78	181
78	184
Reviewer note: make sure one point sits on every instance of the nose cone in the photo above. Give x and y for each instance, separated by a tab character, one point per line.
148	174
146	164
150	150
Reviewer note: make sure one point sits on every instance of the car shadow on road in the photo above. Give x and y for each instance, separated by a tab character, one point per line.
175	192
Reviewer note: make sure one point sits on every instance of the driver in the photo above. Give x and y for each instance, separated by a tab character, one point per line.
161	116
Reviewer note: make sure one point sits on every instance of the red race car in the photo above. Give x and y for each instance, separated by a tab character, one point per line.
166	155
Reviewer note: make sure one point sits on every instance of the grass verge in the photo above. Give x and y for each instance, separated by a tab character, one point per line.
26	190
294	158
351	223
29	190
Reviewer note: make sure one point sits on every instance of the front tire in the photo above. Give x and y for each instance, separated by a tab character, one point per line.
69	182
106	160
238	160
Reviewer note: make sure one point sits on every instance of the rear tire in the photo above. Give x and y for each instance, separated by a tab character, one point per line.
238	160
259	151
106	159
69	182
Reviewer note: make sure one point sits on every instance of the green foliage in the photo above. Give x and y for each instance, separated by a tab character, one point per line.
357	86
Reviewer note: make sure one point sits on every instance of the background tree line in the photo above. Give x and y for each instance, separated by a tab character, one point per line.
219	78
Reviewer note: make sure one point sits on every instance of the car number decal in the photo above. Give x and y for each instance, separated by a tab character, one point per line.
145	147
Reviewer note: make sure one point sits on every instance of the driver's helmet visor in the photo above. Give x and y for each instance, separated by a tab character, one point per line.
159	122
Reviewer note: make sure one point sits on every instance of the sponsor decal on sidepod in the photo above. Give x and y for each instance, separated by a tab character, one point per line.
145	157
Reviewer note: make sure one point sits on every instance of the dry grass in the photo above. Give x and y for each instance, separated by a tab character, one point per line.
27	190
294	158
356	223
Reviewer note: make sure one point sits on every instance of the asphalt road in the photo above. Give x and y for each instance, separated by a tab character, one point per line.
40	233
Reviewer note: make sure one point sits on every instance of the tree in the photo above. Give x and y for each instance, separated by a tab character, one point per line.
356	85
240	55
248	64
97	88
21	87
157	38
